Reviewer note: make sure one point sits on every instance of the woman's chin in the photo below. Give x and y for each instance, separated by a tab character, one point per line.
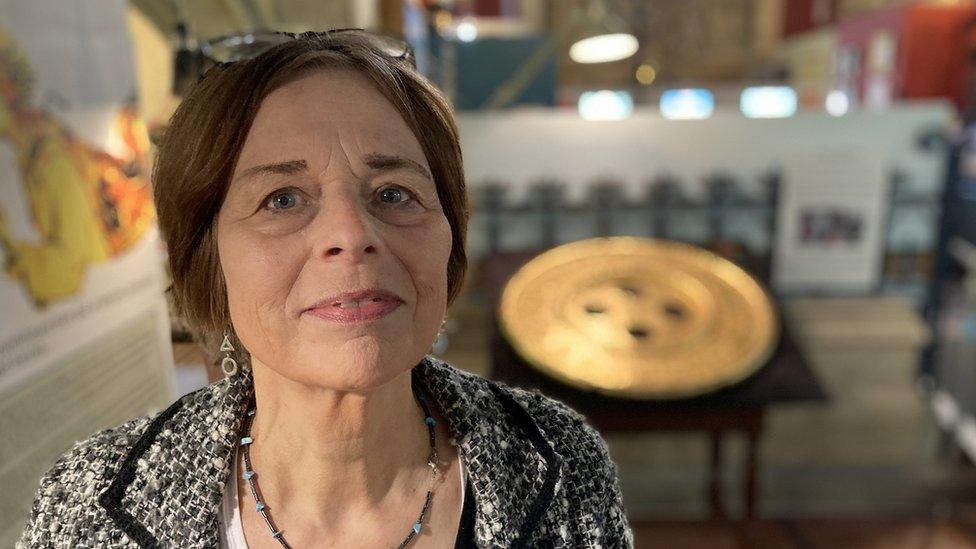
350	371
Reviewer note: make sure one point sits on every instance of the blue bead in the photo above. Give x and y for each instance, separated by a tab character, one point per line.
247	440
248	475
430	421
251	412
277	534
416	528
259	506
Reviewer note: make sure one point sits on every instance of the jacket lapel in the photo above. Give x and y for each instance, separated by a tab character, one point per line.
168	490
513	470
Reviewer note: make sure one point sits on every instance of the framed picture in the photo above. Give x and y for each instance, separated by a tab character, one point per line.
831	221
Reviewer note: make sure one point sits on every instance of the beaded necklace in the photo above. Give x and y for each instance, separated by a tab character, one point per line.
250	475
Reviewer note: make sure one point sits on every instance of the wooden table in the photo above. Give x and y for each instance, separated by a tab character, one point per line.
786	377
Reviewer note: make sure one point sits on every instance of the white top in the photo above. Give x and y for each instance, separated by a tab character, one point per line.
231	528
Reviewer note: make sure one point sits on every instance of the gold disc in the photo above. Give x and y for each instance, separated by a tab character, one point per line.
638	318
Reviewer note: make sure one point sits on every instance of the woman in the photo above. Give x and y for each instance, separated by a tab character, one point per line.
312	199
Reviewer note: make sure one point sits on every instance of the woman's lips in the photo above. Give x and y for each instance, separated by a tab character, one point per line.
365	312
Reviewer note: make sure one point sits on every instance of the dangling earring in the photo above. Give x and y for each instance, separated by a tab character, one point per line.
228	364
440	344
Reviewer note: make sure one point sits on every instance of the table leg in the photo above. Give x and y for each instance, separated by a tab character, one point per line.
715	483
751	473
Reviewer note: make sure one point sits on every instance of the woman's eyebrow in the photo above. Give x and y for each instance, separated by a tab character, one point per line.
386	162
288	167
376	161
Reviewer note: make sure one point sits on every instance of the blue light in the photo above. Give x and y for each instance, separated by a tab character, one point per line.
687	104
768	102
605	105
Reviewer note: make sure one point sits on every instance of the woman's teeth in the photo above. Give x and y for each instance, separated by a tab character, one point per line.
350	304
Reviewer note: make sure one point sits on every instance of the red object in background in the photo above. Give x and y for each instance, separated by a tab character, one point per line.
804	15
488	8
494	8
928	52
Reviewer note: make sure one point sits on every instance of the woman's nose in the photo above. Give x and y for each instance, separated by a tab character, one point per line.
343	228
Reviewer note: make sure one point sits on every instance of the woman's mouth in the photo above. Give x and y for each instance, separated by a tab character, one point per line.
355	311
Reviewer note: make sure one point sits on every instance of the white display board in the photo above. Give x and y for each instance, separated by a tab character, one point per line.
84	328
520	147
830	222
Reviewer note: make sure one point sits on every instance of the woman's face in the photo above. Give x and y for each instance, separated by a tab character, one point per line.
332	193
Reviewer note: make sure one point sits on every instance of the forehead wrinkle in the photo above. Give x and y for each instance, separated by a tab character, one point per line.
345	153
338	144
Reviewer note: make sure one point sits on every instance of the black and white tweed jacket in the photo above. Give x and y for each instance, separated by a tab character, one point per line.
541	475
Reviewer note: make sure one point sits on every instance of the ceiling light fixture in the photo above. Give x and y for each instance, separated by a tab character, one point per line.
603	38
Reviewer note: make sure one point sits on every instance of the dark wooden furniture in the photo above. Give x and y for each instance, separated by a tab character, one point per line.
785	378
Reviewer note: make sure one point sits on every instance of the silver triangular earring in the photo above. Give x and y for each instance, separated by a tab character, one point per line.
228	364
226	345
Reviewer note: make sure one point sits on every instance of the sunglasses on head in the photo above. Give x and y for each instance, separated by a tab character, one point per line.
228	50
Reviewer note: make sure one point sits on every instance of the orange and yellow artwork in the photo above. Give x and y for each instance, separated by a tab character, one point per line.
86	205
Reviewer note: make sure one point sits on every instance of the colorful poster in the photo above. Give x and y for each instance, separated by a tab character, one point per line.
84	329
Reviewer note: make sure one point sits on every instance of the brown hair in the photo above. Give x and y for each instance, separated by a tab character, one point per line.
201	146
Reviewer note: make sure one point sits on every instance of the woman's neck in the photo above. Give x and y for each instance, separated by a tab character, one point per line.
334	454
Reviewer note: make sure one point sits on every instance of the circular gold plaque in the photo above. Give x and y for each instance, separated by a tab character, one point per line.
638	318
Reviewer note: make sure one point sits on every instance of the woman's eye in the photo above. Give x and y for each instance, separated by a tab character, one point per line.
395	195
282	200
